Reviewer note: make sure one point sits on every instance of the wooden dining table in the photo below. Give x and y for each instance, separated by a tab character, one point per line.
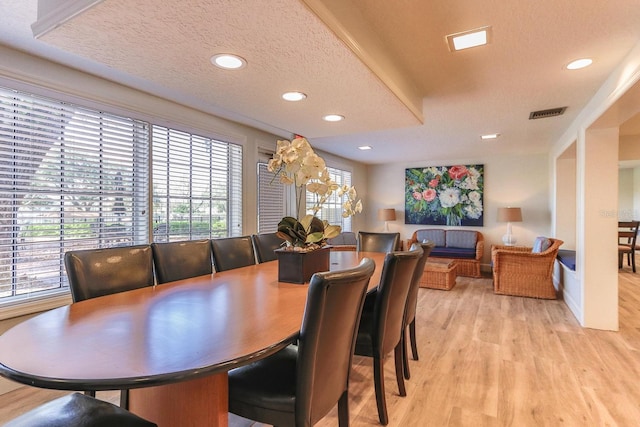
171	344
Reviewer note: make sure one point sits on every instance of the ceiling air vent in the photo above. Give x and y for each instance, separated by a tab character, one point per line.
543	114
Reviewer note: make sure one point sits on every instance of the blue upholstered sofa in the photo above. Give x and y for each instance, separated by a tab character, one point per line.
465	246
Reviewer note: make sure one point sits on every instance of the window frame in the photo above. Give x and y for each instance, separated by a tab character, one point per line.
223	158
68	175
268	189
335	202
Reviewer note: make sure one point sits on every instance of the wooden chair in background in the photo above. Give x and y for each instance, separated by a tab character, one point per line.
627	233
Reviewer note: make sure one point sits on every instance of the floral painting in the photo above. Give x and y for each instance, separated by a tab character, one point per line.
444	195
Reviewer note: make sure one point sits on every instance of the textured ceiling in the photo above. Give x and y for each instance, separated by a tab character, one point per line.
286	47
365	59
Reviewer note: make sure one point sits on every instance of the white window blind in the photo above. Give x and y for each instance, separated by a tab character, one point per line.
70	178
270	200
197	186
332	208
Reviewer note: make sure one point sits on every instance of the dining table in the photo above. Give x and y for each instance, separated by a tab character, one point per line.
170	345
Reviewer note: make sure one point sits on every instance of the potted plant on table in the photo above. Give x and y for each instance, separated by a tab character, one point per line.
295	163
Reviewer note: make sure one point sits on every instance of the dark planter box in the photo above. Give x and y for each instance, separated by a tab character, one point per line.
298	267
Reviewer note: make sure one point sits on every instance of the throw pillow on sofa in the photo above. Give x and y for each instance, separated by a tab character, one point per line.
461	239
541	244
432	235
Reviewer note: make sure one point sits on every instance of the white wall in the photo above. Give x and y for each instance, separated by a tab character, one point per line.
625	195
629	194
597	261
596	131
508	181
565	196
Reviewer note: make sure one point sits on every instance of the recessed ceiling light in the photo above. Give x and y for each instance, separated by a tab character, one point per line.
333	118
468	39
228	61
364	147
293	96
579	63
490	136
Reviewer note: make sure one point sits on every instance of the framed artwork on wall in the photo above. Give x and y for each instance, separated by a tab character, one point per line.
444	195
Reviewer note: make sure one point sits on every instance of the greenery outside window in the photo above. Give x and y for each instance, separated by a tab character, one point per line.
197	187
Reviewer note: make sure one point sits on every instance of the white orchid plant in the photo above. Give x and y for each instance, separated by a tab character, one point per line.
295	163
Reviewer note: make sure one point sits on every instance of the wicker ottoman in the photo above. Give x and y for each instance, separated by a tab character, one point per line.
439	273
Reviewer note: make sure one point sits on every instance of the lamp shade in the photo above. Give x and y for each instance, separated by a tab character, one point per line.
509	215
387	214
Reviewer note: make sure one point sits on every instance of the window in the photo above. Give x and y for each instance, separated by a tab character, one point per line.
70	178
197	187
270	200
332	208
75	178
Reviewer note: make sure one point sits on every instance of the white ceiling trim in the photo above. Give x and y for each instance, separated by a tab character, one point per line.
53	13
363	42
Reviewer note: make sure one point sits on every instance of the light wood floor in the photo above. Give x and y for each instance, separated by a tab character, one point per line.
489	360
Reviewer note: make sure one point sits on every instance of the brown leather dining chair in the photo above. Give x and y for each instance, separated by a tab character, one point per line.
299	385
96	272
180	260
381	324
411	307
264	245
378	242
78	410
232	252
627	234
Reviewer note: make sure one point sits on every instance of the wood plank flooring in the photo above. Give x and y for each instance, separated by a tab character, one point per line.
489	360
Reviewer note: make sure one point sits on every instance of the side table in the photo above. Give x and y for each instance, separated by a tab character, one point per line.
439	273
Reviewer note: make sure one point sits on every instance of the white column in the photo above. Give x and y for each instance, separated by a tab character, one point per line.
598	227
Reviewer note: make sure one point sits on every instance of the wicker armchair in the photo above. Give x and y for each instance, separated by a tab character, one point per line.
518	271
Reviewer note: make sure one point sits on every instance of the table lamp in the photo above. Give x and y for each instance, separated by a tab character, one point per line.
509	215
386	215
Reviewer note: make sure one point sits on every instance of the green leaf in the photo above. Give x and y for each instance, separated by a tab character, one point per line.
315	237
331	231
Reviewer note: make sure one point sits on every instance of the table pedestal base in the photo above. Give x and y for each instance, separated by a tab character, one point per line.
199	402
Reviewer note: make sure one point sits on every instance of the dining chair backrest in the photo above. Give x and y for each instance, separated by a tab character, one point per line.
409	321
412	295
627	235
391	298
628	232
327	339
97	272
265	244
381	324
378	242
181	260
232	252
